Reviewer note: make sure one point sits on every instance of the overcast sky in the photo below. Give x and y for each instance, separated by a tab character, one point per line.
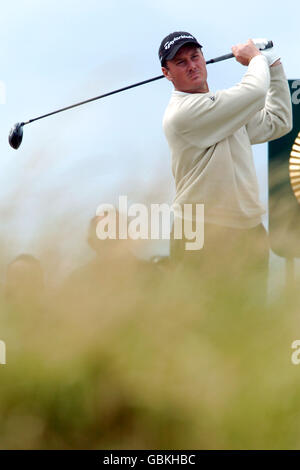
56	52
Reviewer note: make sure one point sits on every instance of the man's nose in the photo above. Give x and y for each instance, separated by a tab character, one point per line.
191	65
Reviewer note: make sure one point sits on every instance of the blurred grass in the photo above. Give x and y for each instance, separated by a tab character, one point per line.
145	359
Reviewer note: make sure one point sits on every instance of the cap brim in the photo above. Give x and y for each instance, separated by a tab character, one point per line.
176	48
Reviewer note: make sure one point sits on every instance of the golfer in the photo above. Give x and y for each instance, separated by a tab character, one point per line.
210	136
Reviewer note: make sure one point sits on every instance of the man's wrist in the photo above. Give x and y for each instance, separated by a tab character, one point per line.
255	55
278	62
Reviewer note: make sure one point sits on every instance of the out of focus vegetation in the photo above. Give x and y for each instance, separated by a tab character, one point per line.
130	355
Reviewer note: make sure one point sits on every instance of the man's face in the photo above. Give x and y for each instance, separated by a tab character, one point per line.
187	70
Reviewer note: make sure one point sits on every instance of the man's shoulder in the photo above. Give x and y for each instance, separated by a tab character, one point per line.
177	105
181	102
183	105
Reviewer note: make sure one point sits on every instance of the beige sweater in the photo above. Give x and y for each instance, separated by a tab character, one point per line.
210	136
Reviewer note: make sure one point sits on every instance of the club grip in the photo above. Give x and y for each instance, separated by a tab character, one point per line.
229	56
267	46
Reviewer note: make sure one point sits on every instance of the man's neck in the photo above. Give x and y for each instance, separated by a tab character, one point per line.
205	89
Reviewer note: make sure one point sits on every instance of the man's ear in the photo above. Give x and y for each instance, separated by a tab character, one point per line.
166	73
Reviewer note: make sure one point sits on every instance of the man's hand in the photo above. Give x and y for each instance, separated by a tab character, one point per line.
245	52
271	54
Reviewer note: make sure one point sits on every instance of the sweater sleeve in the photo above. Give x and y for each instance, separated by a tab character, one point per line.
205	120
275	119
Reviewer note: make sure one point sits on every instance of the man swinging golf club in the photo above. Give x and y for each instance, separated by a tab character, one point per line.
210	137
16	133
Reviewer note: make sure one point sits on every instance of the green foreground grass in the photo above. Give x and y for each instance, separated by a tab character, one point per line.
153	362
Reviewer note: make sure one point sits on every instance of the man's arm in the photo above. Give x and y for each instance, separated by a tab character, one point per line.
275	120
205	120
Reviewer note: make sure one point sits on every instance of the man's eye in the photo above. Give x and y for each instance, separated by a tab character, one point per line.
180	62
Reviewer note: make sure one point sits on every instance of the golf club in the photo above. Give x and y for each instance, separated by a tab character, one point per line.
16	133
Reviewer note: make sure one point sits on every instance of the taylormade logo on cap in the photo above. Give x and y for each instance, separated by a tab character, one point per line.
170	43
173	42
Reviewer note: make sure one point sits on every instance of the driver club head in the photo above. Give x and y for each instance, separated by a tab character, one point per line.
16	135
